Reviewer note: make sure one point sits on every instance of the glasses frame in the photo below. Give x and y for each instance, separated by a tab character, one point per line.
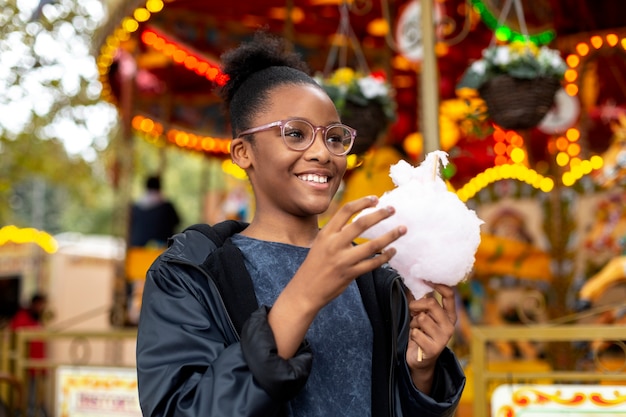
324	129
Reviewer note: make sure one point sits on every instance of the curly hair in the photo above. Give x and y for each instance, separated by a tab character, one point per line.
254	69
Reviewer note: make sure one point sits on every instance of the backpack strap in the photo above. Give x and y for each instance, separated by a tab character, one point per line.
225	265
371	287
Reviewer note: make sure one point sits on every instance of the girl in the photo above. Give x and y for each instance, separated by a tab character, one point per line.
278	317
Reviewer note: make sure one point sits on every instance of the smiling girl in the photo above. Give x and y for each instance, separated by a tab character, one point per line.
279	317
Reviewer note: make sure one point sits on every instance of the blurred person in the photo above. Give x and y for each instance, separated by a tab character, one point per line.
31	318
153	218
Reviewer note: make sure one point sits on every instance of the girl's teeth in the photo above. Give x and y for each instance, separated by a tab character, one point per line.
314	178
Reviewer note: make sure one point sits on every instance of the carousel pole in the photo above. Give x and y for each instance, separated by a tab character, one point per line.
124	156
429	82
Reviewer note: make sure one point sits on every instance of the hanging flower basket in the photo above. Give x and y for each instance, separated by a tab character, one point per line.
517	103
518	82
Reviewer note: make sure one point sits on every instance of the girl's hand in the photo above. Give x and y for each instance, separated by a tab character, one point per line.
332	264
432	326
334	261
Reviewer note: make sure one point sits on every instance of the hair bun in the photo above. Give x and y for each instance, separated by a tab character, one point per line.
263	51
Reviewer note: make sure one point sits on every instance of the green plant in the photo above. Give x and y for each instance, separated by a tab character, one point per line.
522	60
346	84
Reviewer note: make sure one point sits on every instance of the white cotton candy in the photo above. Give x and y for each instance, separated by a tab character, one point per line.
442	233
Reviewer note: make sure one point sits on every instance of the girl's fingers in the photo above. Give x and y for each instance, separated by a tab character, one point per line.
448	301
345	213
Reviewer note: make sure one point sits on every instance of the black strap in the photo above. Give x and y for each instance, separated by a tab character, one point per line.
370	288
225	265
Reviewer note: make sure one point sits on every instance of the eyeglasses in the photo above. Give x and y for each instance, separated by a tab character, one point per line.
299	135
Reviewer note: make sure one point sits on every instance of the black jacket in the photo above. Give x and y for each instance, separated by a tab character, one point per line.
205	348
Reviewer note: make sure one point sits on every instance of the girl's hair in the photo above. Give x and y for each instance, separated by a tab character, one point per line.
254	69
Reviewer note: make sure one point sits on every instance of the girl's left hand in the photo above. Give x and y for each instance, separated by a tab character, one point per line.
432	326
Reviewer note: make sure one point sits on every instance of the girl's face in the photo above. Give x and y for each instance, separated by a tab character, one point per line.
299	183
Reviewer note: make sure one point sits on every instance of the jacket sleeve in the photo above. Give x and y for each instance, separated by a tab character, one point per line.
189	361
445	394
449	378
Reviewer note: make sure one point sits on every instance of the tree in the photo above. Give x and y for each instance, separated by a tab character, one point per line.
53	126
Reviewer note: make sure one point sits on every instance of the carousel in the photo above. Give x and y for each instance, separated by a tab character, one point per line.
536	149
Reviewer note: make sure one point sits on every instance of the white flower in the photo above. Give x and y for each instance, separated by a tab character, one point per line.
479	67
503	56
372	87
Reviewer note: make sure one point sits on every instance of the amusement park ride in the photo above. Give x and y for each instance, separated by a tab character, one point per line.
552	195
159	62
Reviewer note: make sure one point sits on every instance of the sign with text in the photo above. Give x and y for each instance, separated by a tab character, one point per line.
96	392
559	400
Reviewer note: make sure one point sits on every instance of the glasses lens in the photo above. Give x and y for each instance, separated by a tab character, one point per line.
298	134
338	139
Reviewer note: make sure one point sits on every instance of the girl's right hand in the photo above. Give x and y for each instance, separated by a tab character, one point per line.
334	260
332	264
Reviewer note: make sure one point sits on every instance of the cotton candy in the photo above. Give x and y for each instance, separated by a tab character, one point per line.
442	233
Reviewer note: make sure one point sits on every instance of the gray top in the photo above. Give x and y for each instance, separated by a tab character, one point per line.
341	336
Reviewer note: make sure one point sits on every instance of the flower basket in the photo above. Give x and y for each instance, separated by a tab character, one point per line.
517	103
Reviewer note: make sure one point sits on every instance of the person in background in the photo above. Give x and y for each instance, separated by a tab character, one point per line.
153	218
31	318
279	317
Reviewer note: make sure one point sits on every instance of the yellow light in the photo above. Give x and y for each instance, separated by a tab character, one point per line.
582	49
577	171
586	167
401	63
506	171
596	162
462	194
130	25
378	27
481	181
562	159
612	39
517	140
14	234
561	143
623	42
571	75
546	185
230	168
141	14
568	179
413	144
449	132
500	160
572	134
499	148
572	60
146	125
190	62
573	149
154	6
596	41
518	155
571	89
179	56
159	44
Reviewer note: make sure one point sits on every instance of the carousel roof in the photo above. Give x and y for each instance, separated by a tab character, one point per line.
176	46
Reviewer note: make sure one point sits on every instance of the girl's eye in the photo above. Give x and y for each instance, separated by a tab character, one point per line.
334	138
294	133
